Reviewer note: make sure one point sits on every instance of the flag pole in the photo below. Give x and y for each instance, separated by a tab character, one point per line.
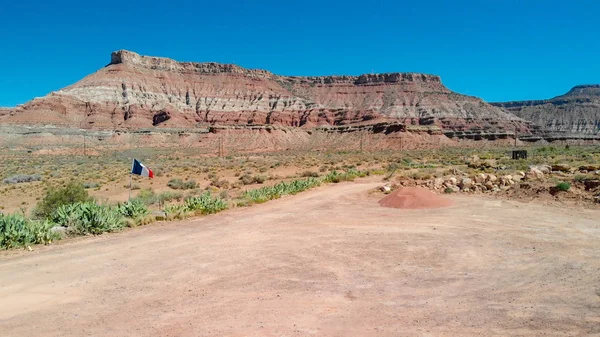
129	186
130	174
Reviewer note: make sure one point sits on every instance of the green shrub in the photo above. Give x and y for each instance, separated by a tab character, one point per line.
178	184
308	174
349	175
88	218
134	209
247	179
582	177
158	172
220	183
55	198
89	185
17	231
168	196
377	172
178	212
563	186
267	193
448	190
333	177
147	197
205	204
22	178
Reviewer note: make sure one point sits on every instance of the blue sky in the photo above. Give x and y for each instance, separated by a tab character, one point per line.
494	49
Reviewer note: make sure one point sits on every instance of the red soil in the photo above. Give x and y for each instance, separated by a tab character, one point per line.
414	198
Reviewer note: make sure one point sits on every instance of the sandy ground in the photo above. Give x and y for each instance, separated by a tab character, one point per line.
329	262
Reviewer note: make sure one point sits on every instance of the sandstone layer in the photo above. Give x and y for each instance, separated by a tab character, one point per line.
576	112
134	92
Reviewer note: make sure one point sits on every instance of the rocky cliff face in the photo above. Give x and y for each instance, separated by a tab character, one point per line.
136	91
576	112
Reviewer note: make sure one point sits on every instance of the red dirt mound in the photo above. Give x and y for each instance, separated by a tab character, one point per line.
413	198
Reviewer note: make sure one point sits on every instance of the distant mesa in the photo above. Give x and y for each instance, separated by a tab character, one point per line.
135	91
587	90
577	112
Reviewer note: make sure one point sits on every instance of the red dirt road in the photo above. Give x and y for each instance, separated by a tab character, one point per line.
329	262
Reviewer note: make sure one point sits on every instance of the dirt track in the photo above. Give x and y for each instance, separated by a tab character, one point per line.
330	262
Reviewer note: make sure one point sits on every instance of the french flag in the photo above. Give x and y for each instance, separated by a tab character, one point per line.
141	170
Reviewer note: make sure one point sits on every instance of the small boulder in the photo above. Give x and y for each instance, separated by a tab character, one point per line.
561	167
60	230
159	215
465	183
534	174
438	183
545	169
480	178
491	178
506	180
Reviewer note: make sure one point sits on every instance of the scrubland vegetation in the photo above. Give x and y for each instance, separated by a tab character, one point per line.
48	197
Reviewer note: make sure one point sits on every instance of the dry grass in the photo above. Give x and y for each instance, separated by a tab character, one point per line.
106	175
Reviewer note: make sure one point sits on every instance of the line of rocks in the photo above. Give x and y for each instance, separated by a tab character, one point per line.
484	182
538	172
480	183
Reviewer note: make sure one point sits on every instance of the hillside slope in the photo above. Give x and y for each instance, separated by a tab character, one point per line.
135	91
576	112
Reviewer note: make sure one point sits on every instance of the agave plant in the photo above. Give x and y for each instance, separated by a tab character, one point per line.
176	212
88	218
267	193
133	209
17	231
333	177
205	204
